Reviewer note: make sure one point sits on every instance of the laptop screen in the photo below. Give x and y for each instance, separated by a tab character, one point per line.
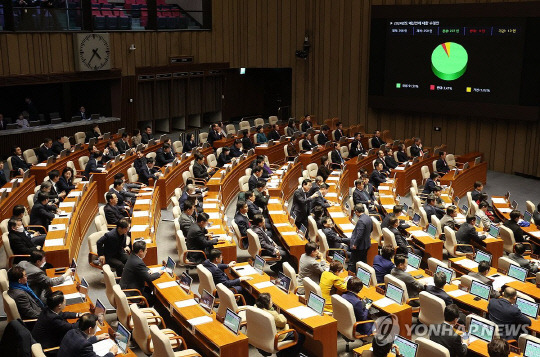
303	230
185	282
432	230
100	308
207	301
478	221
170	266
405	208
481	330
447	271
494	231
73	265
122	337
84	283
364	275
414	260
407	348
527	216
394	293
518	273
465	208
514	204
339	258
232	321
283	282
482	256
527	307
258	264
416	218
316	303
480	289
532	349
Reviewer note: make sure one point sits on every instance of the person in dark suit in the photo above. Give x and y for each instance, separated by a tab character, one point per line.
190	194
431	183
186	219
431	209
136	273
241	219
517	256
416	148
308	144
224	157
54	178
82	114
28	303
361	311
274	133
476	194
20	242
215	265
190	143
51	325
301	203
360	239
269	246
262	197
306	124
336	155
377	176
110	152
93	133
507	315
376	141
3	179
320	199
123	144
140	161
93	164
402	154
198	238
146	136
164	155
247	144
413	286
380	158
382	263
467	234
236	149
148	172
444	333
356	146
338	133
253	209
42	213
112	247
113	212
389	160
57	146
513	225
215	134
396	212
403	246
439	281
78	342
290	129
322	139
483	270
324	168
441	164
200	171
18	163
256	174
536	215
334	240
123	201
361	196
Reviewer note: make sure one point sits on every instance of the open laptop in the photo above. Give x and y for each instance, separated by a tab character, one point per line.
364	275
465	209
339	258
532	349
169	267
232	321
316	303
303	231
517	272
514	204
207	302
479	330
26	174
527	216
394	293
447	271
83	287
416	219
185	282
478	221
529	308
73	266
283	282
100	311
493	231
407	348
431	230
258	264
122	337
480	290
413	261
482	256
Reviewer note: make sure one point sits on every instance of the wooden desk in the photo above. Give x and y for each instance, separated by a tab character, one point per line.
432	247
17	196
150	218
82	216
479	347
223	142
465	180
413	172
210	339
354	165
275	153
469	157
307	159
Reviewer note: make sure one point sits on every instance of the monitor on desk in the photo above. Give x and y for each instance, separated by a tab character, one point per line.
507	196
465	209
100	311
77	147
64	153
529	308
482	256
527	216
456	172
303	231
532	349
339	258
364	275
316	303
477	160
447	271
73	266
169	267
185	282
50	160
432	230
207	302
83	287
121	131
414	260
232	321
480	290
258	264
416	219
394	293
517	272
405	208
122	338
466	166
92	142
478	220
493	231
514	204
283	282
481	330
407	348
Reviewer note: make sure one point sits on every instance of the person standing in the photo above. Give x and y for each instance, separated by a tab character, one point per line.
112	248
361	237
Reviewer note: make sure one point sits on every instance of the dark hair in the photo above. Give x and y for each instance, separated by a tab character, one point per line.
109	196
123	223
324	159
248	194
498	348
430	198
124	135
14	148
166	146
433	175
214	254
263	301
359	208
355	284
441	153
87	321
451	312
381	347
138	246
54	299
36	255
198	156
256	169
519	248
18	210
450	210
335	266
470	219
358	182
54	174
325	219
147	127
310	247
118	182
12	223
15	273
150	160
387	252
203	217
324	128
188	204
259	128
439	279
478	184
97	154
42	196
400	259
257	219
483	266
392	221
515	214
324	186
397	209
240	205
483	204
66	169
261	183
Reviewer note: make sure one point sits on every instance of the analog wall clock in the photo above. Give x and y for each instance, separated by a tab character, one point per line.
92	51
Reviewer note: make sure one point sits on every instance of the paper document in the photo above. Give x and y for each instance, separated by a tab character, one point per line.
167	284
210	205
384	302
63	215
467	263
498	200
67	281
66	204
419	234
200	320
274	200
276	212
139	228
535	234
264	284
338	215
399	168
333	178
74	194
347	234
42	164
155	269
426	281
505	210
213	215
410	268
288	233
499	281
302	312
245	270
282	225
331	195
54	242
141	214
102	347
145	201
185	303
388	207
346	226
457	293
57	227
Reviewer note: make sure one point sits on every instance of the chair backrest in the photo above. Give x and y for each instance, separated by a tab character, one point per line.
254	245
185	176
4	283
10	307
258	121
434	262
110	282
181	247
226	300
79	137
92	240
466	281
426	347
203	137
83	160
437	223
311	286
343	312
312	229
451	160
141	330
423	217
30	200
178	146
425	172
122	307
161	342
176	212
300	142
37	350
344	150
289	271
6	245
312	170
323	243
389	238
244	125
469	202
431	309
30	156
261	329
389	278
370	269
523	340
175	202
507	236
206	280
230	129
316	138
101	223
211	160
483	320
10	166
132	175
409	151
434	165
272	119
376	232
243	183
71	165
530	206
505	262
151	155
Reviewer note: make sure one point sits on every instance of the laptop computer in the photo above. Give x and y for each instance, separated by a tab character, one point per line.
493	231
465	209
339	258
283	282
151	142
303	231
100	311
407	348
258	264
482	256
73	266
480	290
527	216
480	330
64	153
394	293
405	208
529	308
316	303
26	174
83	287
532	349
207	302
169	267
507	196
232	321
364	275
51	160
414	261
416	219
466	166
514	204
477	160
517	272
447	271
122	337
431	230
456	172
185	282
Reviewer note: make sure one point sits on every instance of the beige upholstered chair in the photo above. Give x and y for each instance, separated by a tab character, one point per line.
433	263
206	280
178	146
343	312
311	286
507	236
211	161
388	278
37	350
230	129
141	331
423	217
92	248
254	246
163	347
523	340
437	223
262	334
312	170
370	269
101	223
227	299
376	232
432	309
451	244
11	310
4	283
272	119
324	247
30	157
312	229
426	347
505	262
124	313
79	137
203	137
389	238
258	121
425	173
289	271
466	281
9	252
244	125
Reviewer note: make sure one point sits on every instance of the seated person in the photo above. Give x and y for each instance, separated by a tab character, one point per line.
449	218
199	239
377	176
513	225
389	159
431	183
42	213
262	197
360	195
334	240
291	128
315	185
261	138
483	271
125	198
444	333
264	302
224	157
376	140
414	287
403	246
37	236
241	219
335	155
482	213
439	281
536	215
317	213
322	139
416	148
247	144
18	163
396	212
93	133
112	248
54	178
58	146
65	183
306	124
441	165
308	144
431	209
186	218
361	311
20	242
505	313
3	179
46	187
214	134
517	256
45	150
402	154
311	265
28	303
190	194
78	342
215	265
93	165
380	158
140	161
236	149
332	282
274	133
477	192
123	144
148	172
498	348
324	169
37	278
113	212
320	199
200	171
256	175
146	135
269	246
467	234
110	152
164	155
338	133
253	209
51	325
383	264
356	146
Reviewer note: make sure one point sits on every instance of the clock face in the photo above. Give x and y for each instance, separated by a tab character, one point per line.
94	53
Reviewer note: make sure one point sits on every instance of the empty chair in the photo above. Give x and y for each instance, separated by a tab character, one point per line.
163	347
211	160
312	170
258	122
451	160
289	271
124	313
432	311
79	137
311	286
244	125
312	229
227	299
83	160
272	119
262	334
530	207
30	156
388	278
101	223
151	155
425	173
37	350
433	263
504	263
389	238
178	146
507	236
203	138
426	347
376	232
437	223
4	283
243	183
230	129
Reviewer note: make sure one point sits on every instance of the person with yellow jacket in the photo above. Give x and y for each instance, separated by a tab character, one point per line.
331	282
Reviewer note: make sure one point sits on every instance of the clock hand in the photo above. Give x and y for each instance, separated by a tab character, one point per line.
91	58
96	53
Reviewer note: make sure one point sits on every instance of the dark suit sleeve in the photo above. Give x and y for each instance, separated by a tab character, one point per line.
142	271
458	347
18	246
357	233
101	245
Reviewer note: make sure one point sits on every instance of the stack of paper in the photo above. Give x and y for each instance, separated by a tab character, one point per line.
185	303
139	228
498	200
384	302
302	312
200	320
264	284
54	242
457	293
167	284
102	347
467	263
245	270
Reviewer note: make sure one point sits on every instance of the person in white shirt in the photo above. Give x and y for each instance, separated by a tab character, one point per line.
485	222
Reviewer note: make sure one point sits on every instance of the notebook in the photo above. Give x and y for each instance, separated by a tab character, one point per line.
432	230
207	302
414	261
283	282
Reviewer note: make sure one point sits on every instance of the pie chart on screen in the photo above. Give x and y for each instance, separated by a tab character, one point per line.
449	61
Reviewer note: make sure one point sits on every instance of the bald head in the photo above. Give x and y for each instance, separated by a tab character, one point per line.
510	294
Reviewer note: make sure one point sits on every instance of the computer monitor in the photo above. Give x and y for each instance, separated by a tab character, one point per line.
364	275
478	220
481	330
258	264
407	348
283	282
532	349
405	208
480	289
447	271
477	160
465	208
169	267
416	219
517	272
339	258
122	338
394	293
482	256
83	287
26	174
316	303
207	301
493	231
432	230
529	308
414	260
527	216
100	311
303	230
232	321
185	282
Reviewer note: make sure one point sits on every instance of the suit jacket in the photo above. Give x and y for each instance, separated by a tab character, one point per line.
188	146
305	126
536	217
308	145
494	294
333	239
440	293
19	163
448	221
122	146
200	171
508	317
111	245
361	234
3	179
57	147
113	213
444	335
38	280
146	174
360	311
377	142
138	164
252	182
429	186
145	138
123	200
223	159
20	243
163	158
91	167
442	166
413	286
467	233
91	134
186	222
50	328
273	135
247	143
322	139
28	307
289	131
356	148
324	172
432	210
64	185
361	196
400	240
301	205
41	215
261	200
475	195
219	275
338	133
319	200
381	160
213	136
524	263
77	343
309	267
516	229
235	152
253	209
261	138
402	156
390	162
415	151
336	157
17	340
136	273
382	267
268	246
196	240
242	222
377	178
